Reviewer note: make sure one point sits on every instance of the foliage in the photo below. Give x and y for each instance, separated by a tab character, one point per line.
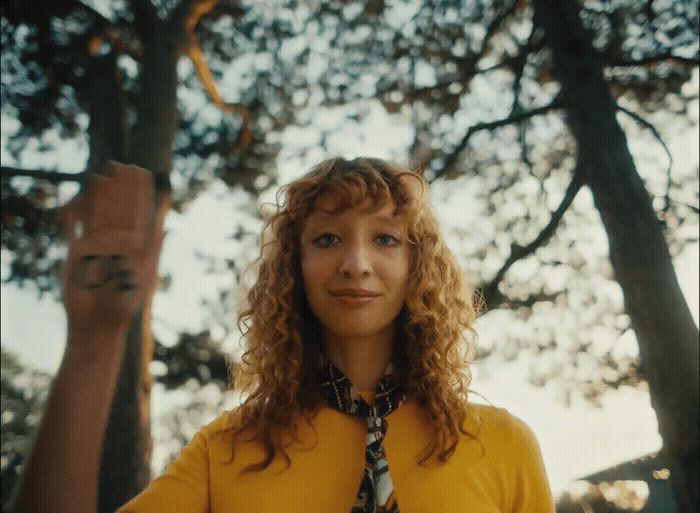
23	392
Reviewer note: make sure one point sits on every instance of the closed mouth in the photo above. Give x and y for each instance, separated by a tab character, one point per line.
354	293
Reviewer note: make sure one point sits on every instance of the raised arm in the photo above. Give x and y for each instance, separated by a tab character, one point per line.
113	250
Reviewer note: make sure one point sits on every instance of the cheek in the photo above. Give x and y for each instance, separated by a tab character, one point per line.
399	272
313	272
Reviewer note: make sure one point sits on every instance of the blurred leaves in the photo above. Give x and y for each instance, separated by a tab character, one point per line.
23	392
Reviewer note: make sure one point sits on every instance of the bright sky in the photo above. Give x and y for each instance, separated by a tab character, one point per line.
575	441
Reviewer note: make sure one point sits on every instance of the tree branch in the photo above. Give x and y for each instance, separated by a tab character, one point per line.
517	106
467	65
470	62
513	118
199	9
639	119
518	252
160	182
493	298
667	57
49	176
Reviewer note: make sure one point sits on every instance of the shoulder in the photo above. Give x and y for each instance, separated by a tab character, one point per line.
225	422
498	427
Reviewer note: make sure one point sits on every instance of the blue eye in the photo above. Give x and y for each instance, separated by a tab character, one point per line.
325	239
388	240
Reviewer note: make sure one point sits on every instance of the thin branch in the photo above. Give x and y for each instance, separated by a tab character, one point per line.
518	252
557	103
490	31
691	207
467	65
517	106
639	119
667	57
194	50
49	176
495	299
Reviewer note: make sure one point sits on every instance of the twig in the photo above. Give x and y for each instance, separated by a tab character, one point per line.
557	103
651	59
518	252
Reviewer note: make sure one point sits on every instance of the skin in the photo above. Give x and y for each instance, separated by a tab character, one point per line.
356	249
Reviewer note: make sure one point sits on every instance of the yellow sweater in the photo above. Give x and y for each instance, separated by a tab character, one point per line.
501	473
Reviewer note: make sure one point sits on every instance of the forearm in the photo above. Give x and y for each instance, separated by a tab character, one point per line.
62	472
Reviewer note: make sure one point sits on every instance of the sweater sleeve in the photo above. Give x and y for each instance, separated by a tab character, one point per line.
531	490
183	487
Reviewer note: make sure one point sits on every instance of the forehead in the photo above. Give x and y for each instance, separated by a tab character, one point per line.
386	213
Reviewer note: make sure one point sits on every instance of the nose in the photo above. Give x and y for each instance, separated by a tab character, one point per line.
356	261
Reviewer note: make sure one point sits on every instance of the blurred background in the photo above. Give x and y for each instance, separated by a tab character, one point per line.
561	142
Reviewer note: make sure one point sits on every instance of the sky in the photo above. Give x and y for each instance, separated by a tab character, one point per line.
575	440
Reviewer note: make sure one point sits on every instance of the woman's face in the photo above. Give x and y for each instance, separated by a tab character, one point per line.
355	267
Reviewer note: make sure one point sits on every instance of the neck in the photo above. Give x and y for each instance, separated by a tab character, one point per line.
362	359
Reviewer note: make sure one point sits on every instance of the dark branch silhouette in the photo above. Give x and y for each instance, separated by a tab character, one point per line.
667	57
646	124
39	174
518	252
513	118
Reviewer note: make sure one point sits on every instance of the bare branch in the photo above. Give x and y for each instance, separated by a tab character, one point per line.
493	298
49	176
666	57
691	207
199	10
518	252
557	103
639	119
467	65
517	106
471	61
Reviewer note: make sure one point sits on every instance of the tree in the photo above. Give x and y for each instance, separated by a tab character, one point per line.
70	52
23	392
434	63
574	45
661	318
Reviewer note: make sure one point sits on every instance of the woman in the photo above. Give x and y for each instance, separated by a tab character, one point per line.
359	331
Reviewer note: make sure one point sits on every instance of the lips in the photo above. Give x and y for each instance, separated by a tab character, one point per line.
356	293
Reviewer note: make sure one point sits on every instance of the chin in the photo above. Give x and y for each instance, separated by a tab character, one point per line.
355	329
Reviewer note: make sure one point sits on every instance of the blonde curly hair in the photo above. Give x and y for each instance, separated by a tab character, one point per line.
283	337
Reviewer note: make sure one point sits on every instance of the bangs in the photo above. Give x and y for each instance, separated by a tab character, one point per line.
350	190
337	185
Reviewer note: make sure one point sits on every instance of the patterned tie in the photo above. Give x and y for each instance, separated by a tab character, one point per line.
376	493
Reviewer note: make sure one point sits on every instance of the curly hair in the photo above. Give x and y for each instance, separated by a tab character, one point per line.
284	338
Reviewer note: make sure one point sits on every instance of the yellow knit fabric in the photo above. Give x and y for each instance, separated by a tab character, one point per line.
499	472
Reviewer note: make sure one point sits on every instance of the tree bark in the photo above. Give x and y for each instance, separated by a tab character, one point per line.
666	332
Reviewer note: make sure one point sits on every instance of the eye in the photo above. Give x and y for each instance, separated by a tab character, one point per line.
325	240
388	240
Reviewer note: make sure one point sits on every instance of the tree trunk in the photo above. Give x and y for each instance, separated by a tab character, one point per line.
126	457
666	332
124	467
128	445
